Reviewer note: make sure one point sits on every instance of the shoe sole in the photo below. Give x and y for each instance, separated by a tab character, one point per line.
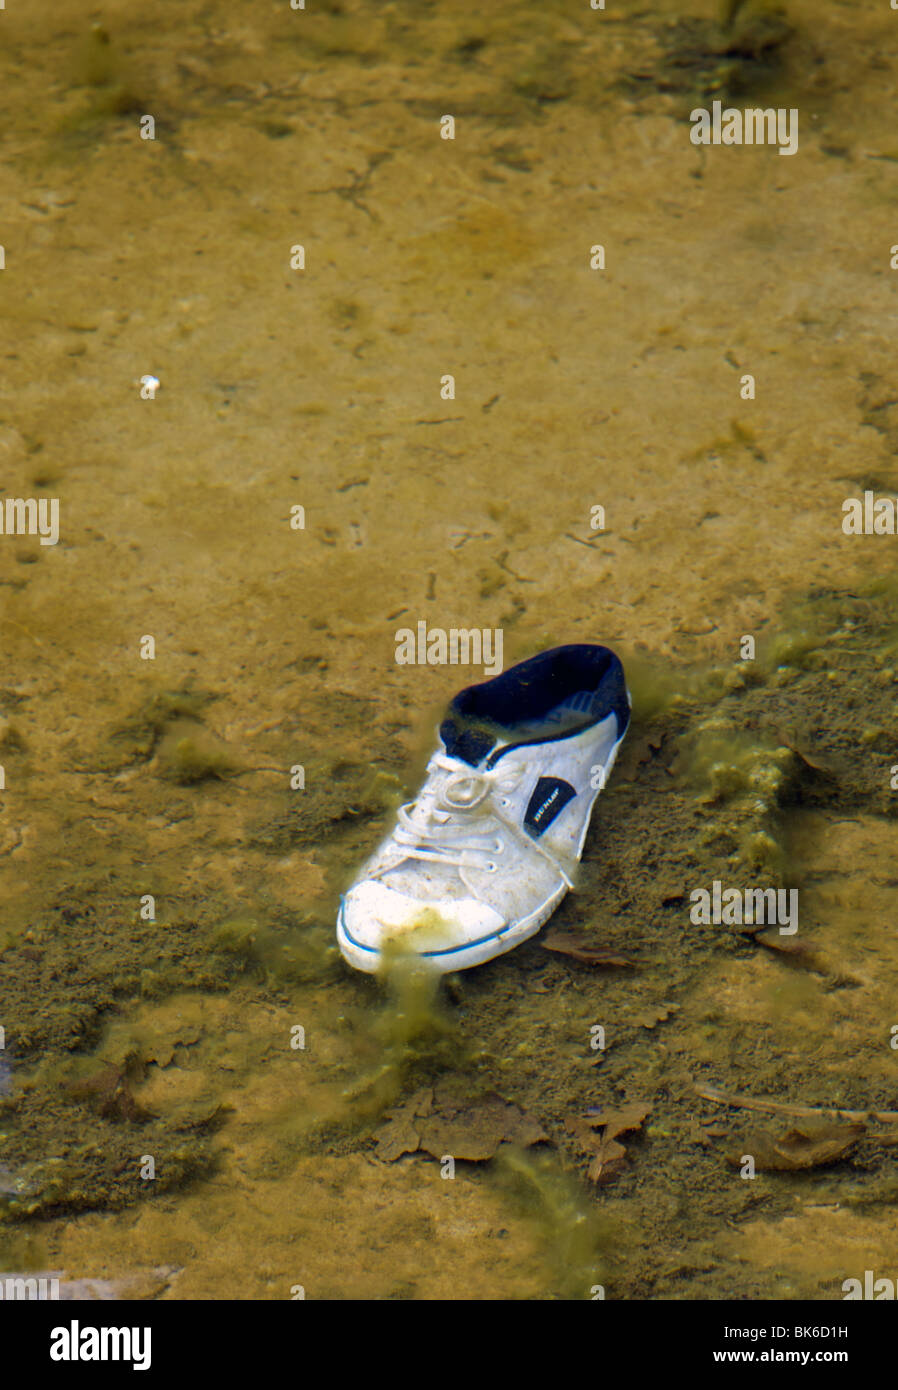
368	959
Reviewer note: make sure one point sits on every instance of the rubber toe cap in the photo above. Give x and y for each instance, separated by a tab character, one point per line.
376	919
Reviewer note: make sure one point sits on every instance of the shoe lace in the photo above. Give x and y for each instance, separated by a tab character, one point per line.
453	812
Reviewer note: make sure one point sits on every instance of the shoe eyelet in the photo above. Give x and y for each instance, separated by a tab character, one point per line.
490	867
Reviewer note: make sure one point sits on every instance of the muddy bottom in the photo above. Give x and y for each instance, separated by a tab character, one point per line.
203	727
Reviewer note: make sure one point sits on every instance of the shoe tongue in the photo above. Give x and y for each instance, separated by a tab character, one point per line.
471	741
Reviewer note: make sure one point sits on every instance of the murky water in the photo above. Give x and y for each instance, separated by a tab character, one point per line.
197	1099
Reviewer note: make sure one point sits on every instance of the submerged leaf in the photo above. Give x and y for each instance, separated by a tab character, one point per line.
439	1127
608	1155
476	1132
805	1145
578	948
401	1134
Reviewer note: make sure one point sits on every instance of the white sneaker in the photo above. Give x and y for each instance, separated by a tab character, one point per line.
483	856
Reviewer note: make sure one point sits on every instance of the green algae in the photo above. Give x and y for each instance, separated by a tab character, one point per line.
579	1240
187	754
136	737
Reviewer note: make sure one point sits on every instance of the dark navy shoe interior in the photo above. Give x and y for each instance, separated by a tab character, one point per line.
553	695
